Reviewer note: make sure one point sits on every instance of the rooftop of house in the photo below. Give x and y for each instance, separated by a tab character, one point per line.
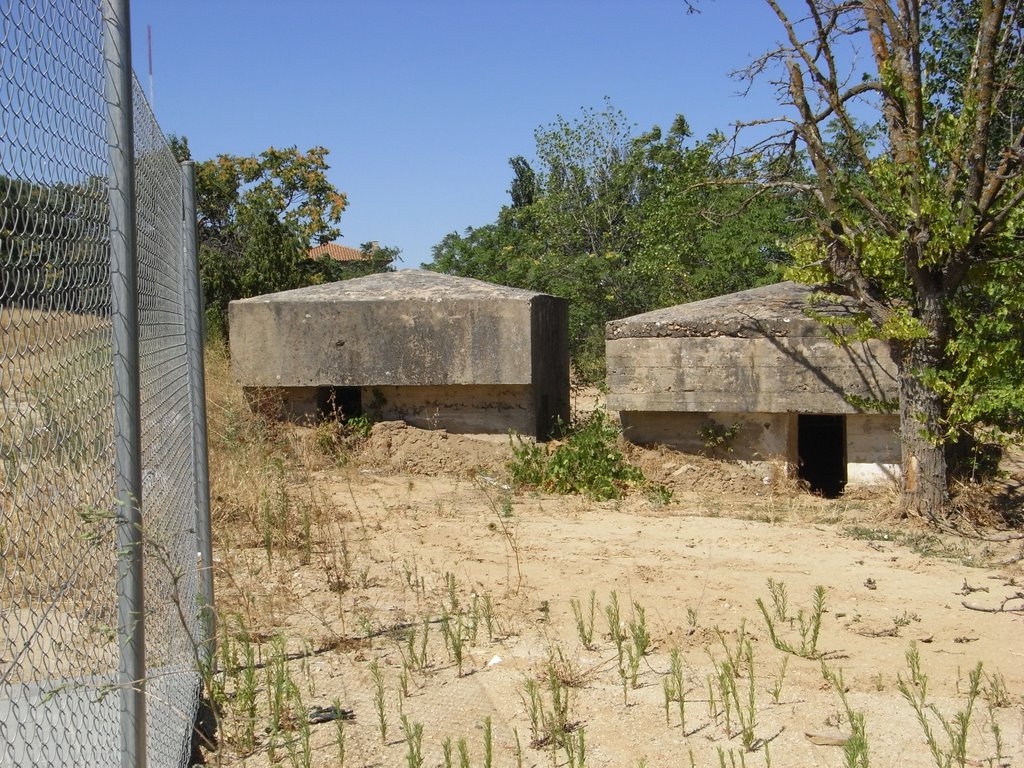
782	309
338	252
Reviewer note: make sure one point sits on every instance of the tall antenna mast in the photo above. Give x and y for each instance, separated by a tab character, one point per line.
149	48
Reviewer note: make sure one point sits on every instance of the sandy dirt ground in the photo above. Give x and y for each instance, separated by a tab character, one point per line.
419	529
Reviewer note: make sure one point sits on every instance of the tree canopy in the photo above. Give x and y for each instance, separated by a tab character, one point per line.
621	223
903	120
258	216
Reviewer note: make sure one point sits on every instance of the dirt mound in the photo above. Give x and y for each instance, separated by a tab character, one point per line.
395	446
681	472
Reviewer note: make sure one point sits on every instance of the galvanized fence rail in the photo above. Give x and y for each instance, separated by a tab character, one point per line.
105	589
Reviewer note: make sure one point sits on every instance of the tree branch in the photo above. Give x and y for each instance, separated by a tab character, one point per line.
978	98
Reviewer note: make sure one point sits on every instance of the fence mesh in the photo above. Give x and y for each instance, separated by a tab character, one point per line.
168	464
58	601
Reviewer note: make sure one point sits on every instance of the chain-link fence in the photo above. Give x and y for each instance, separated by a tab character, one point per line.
103	486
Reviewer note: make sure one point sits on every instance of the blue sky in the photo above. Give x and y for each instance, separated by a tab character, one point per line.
421	103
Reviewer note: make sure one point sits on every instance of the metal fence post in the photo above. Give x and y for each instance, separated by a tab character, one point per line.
197	387
127	411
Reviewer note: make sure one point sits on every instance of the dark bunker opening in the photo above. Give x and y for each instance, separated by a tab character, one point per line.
340	403
821	450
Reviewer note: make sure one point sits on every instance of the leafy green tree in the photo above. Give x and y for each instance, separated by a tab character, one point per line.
923	226
703	233
621	223
258	217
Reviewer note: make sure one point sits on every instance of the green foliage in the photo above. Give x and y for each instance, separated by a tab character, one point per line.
808	622
258	216
918	213
621	224
719	437
586	461
529	466
983	384
336	436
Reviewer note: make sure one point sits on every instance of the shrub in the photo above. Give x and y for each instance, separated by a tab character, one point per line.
586	461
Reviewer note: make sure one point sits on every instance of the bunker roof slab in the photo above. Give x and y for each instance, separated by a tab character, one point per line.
781	310
403	285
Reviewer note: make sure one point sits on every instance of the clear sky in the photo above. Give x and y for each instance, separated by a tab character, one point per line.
422	102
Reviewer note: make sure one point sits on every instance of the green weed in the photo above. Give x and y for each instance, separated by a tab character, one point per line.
914	688
855	749
808	621
587	462
413	743
548	708
488	743
585	622
378	701
674	688
744	705
776	689
719	438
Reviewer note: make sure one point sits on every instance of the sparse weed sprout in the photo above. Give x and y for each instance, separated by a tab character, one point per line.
808	622
914	688
378	701
413	733
719	437
585	620
855	750
550	725
674	688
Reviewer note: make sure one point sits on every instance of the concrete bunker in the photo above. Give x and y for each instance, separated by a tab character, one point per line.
436	351
756	377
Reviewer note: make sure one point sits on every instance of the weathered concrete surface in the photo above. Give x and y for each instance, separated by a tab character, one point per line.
761	437
779	310
873	452
769	440
457	408
464	409
767	375
412	329
743	360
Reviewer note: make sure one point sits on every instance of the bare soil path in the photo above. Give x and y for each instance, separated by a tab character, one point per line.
418	531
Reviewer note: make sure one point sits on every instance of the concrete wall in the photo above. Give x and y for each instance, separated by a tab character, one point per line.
299	344
299	404
762	436
746	375
410	334
758	358
485	409
873	452
488	409
872	440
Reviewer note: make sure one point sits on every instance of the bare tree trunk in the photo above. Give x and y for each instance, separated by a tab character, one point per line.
922	419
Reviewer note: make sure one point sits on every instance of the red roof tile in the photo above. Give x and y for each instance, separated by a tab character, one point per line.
337	252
